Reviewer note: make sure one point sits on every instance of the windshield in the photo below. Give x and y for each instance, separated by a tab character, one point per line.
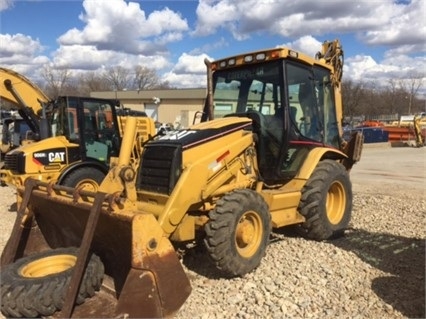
254	87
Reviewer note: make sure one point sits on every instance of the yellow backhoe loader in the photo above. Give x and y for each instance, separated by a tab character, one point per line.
267	154
73	137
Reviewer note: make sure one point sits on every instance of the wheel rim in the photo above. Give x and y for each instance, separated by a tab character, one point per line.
47	266
248	234
88	185
336	202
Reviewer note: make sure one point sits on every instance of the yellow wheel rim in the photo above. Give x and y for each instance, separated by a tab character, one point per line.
248	234
336	202
47	266
88	185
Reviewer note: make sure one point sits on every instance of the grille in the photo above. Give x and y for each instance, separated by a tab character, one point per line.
12	161
160	168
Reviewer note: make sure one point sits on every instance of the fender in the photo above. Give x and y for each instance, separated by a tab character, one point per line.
314	157
87	163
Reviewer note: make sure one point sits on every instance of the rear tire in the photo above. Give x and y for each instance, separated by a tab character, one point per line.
237	232
88	177
36	285
326	202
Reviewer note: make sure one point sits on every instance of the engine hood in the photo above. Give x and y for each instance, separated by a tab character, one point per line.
205	132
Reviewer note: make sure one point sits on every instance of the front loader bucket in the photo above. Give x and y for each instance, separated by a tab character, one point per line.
144	277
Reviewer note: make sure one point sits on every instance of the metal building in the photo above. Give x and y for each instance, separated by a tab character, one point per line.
174	106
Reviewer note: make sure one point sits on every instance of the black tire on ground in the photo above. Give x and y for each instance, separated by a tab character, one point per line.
90	177
326	202
237	232
36	285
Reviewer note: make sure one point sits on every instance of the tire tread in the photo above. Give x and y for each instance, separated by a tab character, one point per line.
34	297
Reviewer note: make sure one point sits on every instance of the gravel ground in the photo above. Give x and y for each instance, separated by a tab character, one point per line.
377	270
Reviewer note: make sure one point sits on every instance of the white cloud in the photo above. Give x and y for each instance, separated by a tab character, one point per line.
119	33
365	69
306	44
358	66
5	4
86	57
18	44
375	22
21	52
187	80
275	17
406	65
191	64
188	72
405	25
212	17
120	26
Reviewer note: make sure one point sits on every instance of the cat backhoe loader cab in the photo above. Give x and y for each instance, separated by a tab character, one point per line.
75	137
268	154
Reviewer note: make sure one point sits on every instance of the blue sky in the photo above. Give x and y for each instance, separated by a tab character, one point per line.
382	39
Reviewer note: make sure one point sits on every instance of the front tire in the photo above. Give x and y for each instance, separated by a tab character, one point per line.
326	201
88	178
36	285
237	232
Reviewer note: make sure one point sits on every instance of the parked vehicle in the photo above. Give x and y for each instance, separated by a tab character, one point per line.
268	153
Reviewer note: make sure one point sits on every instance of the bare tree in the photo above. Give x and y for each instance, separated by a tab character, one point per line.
56	80
145	78
165	85
138	78
352	94
394	98
411	86
118	78
92	81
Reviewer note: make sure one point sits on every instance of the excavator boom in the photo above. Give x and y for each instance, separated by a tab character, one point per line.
28	99
20	91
